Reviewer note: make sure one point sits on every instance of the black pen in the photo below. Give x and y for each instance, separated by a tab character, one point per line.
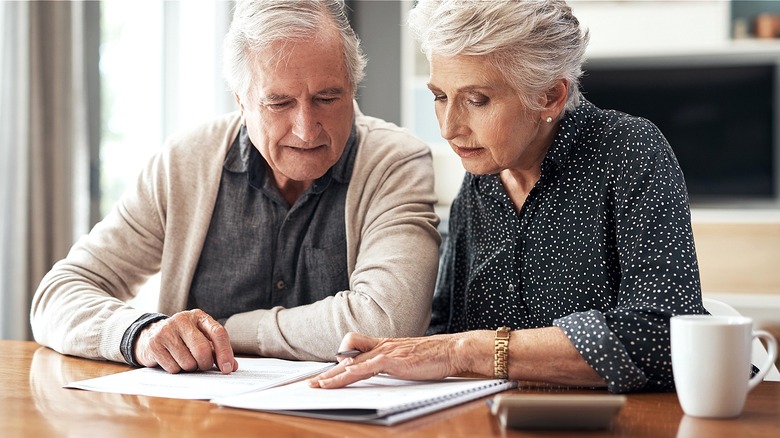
347	353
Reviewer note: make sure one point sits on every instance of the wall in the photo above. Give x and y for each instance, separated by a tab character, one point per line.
738	249
628	27
738	253
379	26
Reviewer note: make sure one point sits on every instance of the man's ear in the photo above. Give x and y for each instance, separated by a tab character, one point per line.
240	108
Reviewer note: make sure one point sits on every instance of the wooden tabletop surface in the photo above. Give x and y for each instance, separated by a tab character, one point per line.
33	403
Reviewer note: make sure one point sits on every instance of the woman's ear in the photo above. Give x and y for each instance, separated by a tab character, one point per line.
556	99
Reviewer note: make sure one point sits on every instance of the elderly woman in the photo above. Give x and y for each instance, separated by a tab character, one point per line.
571	233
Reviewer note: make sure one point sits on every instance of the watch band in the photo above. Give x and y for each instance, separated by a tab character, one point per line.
501	358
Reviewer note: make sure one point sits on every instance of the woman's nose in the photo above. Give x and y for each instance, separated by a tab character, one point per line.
450	122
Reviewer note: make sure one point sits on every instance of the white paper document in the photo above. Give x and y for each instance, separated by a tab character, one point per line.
253	374
379	400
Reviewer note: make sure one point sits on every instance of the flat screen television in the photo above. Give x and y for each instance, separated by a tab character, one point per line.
719	114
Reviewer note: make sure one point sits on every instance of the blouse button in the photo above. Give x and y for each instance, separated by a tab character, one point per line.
280	284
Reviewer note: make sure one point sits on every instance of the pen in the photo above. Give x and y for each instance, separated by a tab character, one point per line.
348	353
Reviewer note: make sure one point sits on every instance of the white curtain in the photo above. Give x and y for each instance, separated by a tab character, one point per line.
44	147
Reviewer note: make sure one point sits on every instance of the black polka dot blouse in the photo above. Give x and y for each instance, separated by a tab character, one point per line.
601	248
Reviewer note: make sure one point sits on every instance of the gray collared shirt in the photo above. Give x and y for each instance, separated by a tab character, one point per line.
260	252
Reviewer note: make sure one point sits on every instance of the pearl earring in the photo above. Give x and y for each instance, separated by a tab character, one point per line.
548	119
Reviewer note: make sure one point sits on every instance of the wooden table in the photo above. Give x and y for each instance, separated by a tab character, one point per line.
34	404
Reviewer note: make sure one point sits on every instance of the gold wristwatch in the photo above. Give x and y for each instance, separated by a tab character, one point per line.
501	358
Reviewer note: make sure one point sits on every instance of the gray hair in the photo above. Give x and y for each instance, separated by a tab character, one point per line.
533	42
257	24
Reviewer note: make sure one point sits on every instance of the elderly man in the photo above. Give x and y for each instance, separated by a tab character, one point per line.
276	229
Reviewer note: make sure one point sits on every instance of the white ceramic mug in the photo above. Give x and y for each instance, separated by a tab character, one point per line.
711	363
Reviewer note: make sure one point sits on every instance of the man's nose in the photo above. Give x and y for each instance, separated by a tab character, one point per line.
305	125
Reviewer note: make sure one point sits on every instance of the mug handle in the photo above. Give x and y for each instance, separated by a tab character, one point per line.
771	343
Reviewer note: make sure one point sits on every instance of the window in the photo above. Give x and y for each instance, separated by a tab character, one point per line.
160	71
131	93
160	67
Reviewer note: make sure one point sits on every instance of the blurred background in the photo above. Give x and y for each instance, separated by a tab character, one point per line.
91	89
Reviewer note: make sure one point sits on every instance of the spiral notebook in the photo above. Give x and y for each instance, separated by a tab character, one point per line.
379	400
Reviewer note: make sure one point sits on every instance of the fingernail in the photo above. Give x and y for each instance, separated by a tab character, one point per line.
227	368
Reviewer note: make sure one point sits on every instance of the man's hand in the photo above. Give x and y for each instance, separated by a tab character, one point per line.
187	341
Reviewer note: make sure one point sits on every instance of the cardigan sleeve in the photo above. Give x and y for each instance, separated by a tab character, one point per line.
80	307
392	246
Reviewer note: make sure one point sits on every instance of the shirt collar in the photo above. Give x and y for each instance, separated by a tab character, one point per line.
243	157
569	131
571	126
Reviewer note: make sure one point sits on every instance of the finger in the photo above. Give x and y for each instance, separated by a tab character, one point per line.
181	337
351	341
200	349
357	341
161	344
347	377
336	370
167	362
150	356
350	374
168	355
219	344
188	350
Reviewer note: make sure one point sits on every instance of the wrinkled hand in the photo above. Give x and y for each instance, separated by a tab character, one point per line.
187	341
423	358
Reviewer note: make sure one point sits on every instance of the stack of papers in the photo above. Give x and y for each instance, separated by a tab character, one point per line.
253	374
379	400
275	385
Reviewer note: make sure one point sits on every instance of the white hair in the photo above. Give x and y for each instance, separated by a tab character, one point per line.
533	42
257	24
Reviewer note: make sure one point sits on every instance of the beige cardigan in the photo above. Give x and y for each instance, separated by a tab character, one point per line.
161	224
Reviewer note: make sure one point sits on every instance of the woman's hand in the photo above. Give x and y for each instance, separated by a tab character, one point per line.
424	358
